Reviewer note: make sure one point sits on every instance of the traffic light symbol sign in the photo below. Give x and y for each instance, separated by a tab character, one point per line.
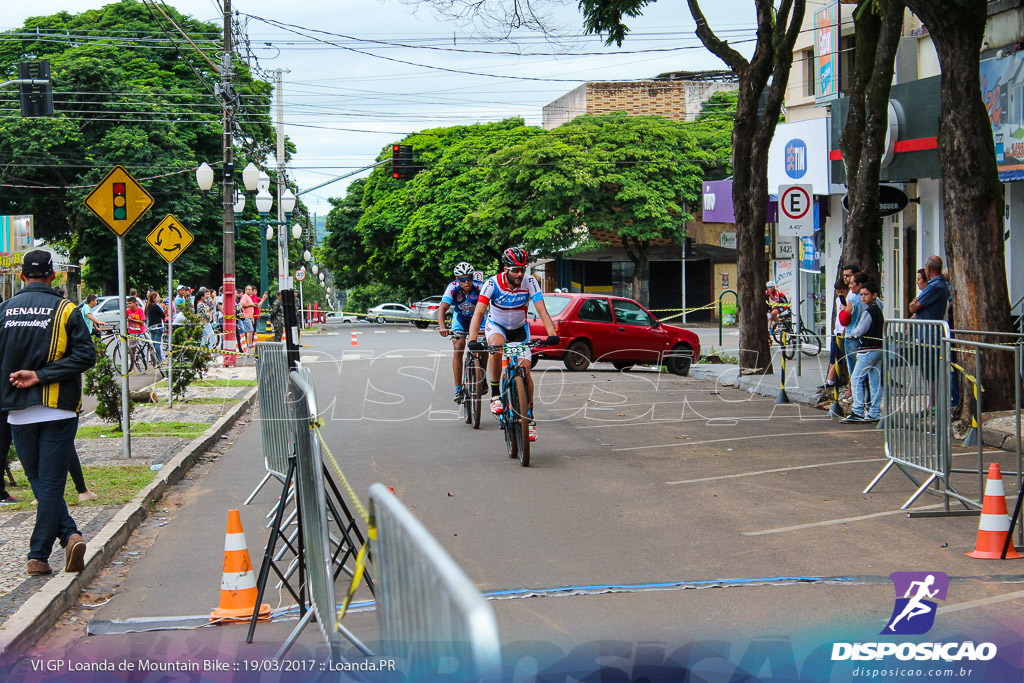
120	202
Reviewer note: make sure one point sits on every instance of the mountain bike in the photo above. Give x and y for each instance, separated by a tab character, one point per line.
514	418
141	353
806	339
474	383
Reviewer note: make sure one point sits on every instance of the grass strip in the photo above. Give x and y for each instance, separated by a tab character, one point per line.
185	430
114	485
225	383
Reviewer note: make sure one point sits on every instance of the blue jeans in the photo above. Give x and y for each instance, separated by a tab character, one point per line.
850	346
209	338
45	450
869	367
156	333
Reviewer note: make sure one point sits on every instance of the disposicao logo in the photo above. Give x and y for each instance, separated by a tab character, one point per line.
914	611
914	614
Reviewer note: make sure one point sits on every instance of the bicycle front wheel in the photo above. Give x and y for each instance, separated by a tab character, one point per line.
789	346
521	421
139	359
810	343
476	389
508	423
775	331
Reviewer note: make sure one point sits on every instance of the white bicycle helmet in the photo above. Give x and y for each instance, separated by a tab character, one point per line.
770	284
463	269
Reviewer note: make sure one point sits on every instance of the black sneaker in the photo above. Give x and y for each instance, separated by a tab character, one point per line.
852	418
7	499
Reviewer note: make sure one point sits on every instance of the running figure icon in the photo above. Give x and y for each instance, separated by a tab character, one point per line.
916	593
916	607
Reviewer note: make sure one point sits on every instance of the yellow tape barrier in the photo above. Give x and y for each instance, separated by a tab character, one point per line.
371	526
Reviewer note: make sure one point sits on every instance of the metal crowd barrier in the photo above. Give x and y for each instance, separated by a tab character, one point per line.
272	389
311	499
428	608
919	359
915	386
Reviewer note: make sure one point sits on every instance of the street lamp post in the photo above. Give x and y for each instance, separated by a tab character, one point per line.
204	178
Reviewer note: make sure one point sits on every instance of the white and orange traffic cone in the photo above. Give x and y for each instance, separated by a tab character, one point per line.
355	341
994	525
238	590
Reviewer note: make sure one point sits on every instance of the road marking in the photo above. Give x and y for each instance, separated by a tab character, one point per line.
307	359
982	602
844	520
404	331
736	438
333	334
380	332
779	469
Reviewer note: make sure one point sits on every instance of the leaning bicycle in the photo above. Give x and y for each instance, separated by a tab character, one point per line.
806	339
474	383
514	418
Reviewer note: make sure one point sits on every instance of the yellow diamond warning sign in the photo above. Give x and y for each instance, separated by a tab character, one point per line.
169	238
119	201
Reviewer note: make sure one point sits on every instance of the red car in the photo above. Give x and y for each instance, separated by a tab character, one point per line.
598	327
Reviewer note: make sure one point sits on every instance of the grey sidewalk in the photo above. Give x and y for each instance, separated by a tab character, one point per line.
29	604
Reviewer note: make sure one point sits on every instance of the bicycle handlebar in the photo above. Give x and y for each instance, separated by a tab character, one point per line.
478	346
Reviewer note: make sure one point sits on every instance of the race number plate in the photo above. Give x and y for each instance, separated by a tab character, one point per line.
514	350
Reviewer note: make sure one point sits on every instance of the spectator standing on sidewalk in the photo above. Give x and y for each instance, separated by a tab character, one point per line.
204	309
932	302
869	359
155	322
855	307
44	349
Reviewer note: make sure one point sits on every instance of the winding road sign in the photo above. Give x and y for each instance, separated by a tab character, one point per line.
170	238
119	201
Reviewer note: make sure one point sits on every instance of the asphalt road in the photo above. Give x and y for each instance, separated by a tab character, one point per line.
692	499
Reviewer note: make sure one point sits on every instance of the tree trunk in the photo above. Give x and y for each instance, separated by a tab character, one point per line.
777	30
877	37
639	253
972	195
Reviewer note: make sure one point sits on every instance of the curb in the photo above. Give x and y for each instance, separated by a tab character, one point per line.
763	385
41	611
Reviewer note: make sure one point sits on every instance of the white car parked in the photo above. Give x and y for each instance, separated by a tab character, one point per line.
391	312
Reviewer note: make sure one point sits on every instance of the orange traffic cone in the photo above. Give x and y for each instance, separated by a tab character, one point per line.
238	590
995	522
355	341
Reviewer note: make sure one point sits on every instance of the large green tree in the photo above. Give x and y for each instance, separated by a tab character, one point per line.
972	197
124	95
596	178
762	87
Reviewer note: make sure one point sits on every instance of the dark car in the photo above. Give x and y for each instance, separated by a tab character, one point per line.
613	329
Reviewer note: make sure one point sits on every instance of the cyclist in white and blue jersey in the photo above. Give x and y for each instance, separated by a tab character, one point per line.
504	299
462	294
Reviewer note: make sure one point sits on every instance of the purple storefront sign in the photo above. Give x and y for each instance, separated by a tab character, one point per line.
718	206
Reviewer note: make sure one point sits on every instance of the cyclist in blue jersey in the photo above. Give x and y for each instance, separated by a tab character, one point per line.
462	294
504	299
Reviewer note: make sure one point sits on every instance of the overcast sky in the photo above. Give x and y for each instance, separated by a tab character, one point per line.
362	74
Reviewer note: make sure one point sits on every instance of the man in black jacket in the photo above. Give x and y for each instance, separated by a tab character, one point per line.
44	349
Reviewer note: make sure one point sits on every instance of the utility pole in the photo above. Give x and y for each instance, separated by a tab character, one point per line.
284	277
227	94
282	185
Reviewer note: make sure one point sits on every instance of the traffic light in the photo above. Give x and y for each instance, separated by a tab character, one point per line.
401	161
690	249
36	99
120	202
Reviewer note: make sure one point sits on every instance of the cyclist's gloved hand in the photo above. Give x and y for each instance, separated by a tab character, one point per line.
551	340
476	346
